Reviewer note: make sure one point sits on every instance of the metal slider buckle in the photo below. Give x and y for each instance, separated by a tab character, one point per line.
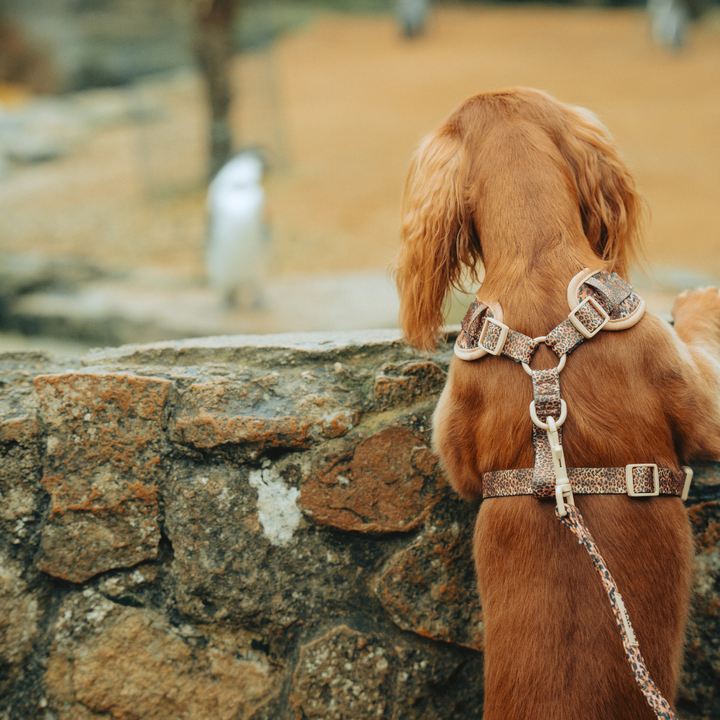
630	482
590	300
501	340
688	481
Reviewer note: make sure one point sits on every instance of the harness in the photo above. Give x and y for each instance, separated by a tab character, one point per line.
598	301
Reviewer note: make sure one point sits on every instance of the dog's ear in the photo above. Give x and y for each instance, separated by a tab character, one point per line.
612	209
437	240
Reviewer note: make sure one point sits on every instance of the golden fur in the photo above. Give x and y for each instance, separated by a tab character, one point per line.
536	190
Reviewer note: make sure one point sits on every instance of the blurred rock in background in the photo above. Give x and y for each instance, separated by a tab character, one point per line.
65	45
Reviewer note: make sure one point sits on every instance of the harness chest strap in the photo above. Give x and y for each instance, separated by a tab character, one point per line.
640	480
549	471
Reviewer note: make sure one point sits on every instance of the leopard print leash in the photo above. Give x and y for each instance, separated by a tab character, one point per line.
660	706
596	299
550	479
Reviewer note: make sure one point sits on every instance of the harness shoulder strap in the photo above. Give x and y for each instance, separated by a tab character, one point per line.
598	301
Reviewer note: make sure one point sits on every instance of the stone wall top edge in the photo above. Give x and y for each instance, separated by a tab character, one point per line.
288	347
282	348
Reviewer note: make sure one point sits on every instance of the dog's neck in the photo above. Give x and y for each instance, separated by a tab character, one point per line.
529	264
530	228
529	275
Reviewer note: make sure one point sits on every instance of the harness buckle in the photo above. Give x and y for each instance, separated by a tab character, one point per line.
630	481
688	480
500	344
546	425
563	488
579	326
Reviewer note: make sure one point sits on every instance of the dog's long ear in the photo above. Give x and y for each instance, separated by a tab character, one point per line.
612	209
437	238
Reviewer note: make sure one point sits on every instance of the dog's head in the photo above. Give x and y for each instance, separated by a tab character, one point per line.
445	205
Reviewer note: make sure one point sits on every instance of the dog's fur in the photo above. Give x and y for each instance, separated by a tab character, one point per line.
536	190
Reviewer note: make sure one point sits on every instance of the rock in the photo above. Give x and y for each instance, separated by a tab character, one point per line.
233	565
127	663
21	492
429	586
25	273
96	46
404	383
42	129
256	412
104	445
344	674
434	684
702	653
384	483
278	511
127	587
264	576
308	349
20	617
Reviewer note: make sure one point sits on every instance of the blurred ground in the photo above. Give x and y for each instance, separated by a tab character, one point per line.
341	105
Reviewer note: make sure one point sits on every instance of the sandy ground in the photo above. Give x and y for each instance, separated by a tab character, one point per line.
357	101
341	105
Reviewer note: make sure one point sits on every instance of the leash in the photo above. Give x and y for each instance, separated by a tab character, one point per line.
598	300
660	706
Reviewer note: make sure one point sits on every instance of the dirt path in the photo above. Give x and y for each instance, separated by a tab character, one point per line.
350	101
358	99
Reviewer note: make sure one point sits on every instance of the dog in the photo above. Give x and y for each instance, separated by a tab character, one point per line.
536	191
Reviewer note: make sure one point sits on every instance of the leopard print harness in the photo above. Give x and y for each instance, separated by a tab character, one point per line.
598	301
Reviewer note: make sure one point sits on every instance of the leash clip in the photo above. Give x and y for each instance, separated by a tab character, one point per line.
563	488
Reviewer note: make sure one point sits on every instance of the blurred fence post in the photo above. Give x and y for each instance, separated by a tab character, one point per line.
213	47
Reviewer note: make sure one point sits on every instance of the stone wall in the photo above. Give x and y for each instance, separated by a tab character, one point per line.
251	528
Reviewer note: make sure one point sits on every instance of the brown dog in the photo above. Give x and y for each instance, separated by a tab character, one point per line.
535	190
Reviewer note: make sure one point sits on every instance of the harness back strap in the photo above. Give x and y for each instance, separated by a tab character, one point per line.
546	391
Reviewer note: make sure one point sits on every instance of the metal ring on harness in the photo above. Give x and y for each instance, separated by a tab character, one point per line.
560	366
544	425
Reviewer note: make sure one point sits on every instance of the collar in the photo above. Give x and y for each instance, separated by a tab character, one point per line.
598	300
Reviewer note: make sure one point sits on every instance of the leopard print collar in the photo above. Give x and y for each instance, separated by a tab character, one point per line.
598	300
